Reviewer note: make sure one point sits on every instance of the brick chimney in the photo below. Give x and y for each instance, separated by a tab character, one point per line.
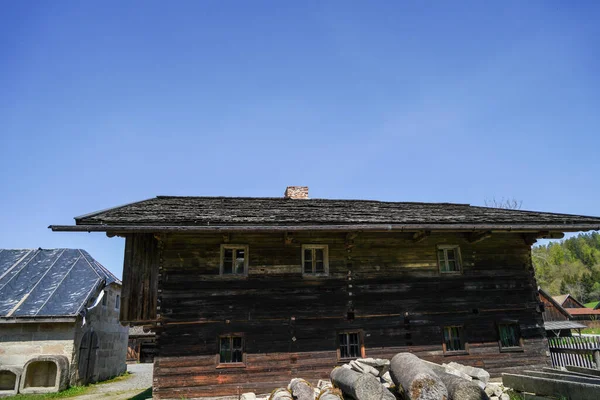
296	192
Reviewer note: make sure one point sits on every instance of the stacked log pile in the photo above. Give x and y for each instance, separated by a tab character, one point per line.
404	377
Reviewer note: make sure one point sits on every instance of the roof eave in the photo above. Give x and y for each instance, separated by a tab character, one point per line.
523	228
38	319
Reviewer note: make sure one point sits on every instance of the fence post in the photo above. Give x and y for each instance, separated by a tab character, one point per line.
597	357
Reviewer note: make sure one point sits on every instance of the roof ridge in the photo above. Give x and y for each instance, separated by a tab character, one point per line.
304	200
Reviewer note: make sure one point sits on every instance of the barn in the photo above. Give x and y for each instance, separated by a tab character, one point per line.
246	293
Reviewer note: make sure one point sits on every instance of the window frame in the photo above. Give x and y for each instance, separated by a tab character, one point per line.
234	247
458	260
361	345
462	338
117	302
517	349
105	298
313	247
231	335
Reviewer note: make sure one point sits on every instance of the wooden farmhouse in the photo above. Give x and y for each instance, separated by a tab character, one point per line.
246	293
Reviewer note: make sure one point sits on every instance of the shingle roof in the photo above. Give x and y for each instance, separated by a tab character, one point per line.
43	283
249	212
582	311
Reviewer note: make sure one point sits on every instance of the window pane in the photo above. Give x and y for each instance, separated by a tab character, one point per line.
308	255
227	267
354	345
319	267
441	256
236	356
509	336
227	261
308	267
452	338
451	254
319	254
237	342
343	339
452	266
225	353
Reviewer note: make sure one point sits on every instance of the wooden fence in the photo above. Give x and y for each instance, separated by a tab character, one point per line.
582	351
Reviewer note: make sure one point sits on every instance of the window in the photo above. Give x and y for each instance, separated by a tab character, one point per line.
350	345
104	298
234	259
315	260
117	302
454	339
231	349
509	336
449	259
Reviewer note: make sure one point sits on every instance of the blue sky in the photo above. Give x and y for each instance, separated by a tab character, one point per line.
103	103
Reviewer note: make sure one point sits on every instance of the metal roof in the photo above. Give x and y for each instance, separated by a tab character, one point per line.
558	325
44	283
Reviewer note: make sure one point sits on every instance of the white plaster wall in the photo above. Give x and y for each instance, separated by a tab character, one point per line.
112	336
21	342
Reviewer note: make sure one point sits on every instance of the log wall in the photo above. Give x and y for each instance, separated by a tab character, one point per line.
290	323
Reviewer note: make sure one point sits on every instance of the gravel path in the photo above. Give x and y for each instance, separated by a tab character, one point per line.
139	381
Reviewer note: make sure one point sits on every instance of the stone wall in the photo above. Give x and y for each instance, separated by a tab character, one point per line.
21	342
103	320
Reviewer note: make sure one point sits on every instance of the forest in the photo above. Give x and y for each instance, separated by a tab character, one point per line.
570	266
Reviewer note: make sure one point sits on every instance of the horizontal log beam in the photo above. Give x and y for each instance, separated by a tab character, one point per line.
515	228
420	236
477	237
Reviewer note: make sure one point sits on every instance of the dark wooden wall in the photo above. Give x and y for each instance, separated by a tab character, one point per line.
140	279
400	300
570	303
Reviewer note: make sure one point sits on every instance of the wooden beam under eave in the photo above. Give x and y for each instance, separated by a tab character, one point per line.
477	237
420	236
529	239
550	235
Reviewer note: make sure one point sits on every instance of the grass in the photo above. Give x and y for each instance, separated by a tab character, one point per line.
592	304
591	331
73	391
70	392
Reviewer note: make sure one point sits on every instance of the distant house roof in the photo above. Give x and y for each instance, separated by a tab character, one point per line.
552	299
559	325
237	213
562	299
48	283
582	311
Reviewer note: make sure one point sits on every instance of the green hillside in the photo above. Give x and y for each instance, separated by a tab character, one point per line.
570	266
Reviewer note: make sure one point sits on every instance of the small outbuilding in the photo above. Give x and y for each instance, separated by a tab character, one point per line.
59	320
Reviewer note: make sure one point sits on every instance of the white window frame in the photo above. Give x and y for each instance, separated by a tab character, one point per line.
234	247
458	260
313	247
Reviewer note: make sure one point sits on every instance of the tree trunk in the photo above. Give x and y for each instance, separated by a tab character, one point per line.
301	390
461	389
418	381
281	394
358	386
330	394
